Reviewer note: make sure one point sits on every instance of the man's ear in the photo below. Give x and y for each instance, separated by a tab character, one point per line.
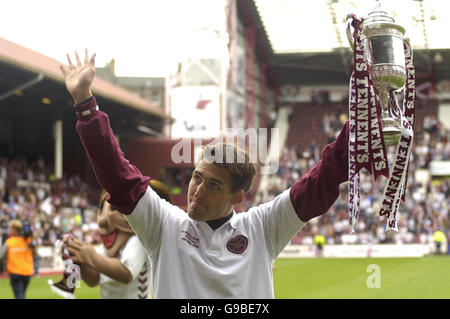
238	196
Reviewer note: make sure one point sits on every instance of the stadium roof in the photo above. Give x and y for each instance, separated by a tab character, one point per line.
33	61
308	43
319	25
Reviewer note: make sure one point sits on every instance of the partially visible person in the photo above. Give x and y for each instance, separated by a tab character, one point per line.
18	250
121	265
319	242
27	233
439	239
4	234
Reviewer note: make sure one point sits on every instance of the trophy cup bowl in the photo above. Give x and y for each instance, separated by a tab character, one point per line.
383	41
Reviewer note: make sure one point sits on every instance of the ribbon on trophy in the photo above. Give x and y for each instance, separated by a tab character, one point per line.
395	188
366	141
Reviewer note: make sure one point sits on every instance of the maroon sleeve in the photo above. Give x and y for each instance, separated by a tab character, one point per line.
317	190
122	180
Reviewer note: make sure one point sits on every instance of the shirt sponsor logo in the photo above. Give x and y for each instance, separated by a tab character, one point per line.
191	240
238	244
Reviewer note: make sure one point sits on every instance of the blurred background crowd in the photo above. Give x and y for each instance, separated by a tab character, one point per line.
33	198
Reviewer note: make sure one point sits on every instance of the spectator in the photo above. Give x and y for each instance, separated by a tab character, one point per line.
19	256
439	239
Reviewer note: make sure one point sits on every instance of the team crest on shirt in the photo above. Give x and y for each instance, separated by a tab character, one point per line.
238	244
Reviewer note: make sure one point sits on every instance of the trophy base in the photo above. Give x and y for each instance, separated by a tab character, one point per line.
391	136
392	129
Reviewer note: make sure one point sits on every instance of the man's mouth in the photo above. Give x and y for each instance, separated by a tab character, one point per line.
109	240
195	204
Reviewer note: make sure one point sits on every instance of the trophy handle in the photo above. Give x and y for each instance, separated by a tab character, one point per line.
349	31
407	42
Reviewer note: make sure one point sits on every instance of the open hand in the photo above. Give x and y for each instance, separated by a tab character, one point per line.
79	78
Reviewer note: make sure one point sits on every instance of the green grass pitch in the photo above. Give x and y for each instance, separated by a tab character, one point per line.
39	289
401	278
328	278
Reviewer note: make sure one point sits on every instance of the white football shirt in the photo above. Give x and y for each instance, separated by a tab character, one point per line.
190	260
134	257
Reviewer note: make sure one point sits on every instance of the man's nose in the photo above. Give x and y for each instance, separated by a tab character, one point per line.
200	192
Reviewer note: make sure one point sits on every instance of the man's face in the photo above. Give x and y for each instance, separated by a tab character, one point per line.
209	193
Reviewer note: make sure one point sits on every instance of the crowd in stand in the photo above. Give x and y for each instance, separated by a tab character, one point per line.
27	192
425	210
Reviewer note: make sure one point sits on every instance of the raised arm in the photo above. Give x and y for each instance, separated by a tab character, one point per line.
318	189
122	180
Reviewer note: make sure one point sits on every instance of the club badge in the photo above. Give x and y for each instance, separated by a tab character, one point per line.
238	244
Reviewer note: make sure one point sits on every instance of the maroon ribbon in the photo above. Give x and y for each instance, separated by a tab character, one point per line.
409	101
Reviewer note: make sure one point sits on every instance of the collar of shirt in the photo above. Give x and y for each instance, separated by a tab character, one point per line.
214	224
219	223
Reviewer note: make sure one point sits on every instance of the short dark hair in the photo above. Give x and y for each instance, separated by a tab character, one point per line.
235	160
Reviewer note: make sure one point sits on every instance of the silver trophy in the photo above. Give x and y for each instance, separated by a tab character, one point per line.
383	41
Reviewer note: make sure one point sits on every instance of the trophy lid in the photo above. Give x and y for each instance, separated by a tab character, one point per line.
378	15
380	19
